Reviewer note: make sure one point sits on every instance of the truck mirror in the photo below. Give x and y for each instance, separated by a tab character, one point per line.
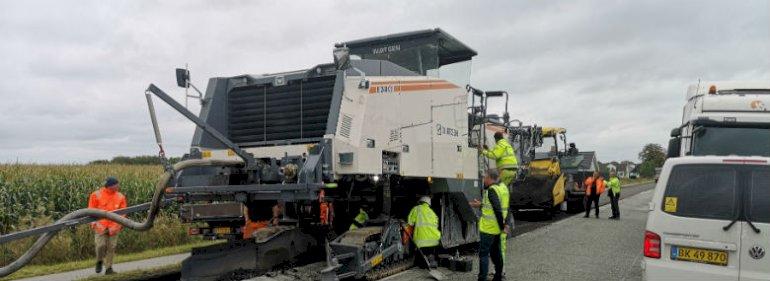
674	145
676	132
182	77
341	58
495	93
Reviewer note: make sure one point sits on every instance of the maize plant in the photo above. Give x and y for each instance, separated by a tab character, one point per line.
28	192
36	195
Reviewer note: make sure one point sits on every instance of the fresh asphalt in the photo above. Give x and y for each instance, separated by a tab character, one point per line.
527	221
571	247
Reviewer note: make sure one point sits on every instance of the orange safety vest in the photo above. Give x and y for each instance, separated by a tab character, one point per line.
106	200
599	185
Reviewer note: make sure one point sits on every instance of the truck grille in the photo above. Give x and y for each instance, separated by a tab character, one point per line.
266	114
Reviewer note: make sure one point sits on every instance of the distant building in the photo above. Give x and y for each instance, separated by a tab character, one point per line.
624	169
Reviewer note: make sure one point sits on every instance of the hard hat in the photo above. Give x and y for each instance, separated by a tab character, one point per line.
425	199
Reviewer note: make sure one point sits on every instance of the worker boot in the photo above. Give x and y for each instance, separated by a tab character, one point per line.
98	267
109	271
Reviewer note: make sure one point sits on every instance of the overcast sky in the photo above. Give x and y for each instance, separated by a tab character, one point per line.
73	73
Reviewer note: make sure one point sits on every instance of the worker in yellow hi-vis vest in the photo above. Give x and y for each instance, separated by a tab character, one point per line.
493	224
423	223
360	219
505	158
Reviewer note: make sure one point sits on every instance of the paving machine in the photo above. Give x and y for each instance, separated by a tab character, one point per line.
547	178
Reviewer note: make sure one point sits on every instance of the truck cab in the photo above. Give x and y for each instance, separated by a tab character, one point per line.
724	118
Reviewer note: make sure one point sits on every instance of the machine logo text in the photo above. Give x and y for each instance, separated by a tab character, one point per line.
386	49
441	130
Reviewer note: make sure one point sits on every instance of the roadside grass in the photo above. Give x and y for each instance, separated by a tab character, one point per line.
139	274
38	270
636	181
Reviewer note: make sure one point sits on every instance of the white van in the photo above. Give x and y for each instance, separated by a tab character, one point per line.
709	220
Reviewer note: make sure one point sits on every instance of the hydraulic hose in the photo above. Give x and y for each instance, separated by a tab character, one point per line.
147	224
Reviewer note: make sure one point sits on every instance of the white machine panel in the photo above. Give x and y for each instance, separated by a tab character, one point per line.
423	119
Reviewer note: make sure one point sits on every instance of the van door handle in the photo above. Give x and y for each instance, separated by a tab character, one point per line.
717	245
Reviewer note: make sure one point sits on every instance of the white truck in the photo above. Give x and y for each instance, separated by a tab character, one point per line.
724	118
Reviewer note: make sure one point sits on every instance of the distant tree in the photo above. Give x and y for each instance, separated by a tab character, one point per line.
647	170
135	160
652	156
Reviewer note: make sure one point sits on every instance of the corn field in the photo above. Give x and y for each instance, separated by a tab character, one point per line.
35	195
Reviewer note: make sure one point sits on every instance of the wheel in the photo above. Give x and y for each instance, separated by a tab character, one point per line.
575	206
553	211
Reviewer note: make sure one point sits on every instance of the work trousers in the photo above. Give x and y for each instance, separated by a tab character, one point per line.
592	199
508	175
426	254
489	246
614	198
105	248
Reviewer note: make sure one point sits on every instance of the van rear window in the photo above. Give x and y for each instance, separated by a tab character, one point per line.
702	191
759	195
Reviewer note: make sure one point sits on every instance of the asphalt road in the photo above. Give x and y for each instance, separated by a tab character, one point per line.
572	247
527	221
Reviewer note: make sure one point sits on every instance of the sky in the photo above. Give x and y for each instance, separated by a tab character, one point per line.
614	73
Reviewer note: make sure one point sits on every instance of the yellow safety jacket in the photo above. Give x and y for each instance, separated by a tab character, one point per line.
504	155
488	223
613	184
425	222
361	218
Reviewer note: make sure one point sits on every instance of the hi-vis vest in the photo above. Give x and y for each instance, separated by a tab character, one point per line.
361	218
504	155
425	221
106	200
488	222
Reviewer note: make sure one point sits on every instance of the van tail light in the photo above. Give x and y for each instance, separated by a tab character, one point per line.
651	245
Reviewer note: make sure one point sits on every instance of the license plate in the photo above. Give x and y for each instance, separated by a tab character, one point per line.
222	230
699	255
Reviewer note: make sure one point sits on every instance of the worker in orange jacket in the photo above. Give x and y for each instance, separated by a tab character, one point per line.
107	198
594	186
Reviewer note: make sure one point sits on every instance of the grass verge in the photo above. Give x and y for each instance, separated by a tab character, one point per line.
38	270
139	274
635	181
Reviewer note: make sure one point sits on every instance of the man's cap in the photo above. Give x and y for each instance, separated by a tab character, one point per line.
110	181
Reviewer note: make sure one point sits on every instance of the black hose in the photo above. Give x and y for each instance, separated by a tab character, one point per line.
157	197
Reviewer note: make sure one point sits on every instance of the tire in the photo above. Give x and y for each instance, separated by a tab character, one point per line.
554	211
575	206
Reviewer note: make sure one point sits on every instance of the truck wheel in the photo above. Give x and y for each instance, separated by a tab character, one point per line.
575	206
554	211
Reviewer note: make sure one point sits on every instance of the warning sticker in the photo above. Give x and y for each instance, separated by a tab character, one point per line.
669	204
